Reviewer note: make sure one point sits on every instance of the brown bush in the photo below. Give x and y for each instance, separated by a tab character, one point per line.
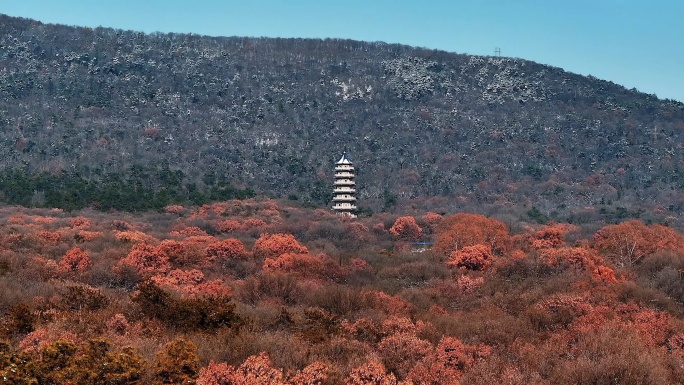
199	313
177	363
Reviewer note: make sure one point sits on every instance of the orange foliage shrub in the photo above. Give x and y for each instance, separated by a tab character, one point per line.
180	253
576	256
315	373
399	325
79	223
652	325
215	374
371	373
201	241
274	245
392	305
38	339
363	329
258	370
50	237
174	209
358	264
676	345
17	219
360	232
581	258
446	363
209	289
254	223
191	284
603	274
629	242
146	260
476	257
179	277
433	220
134	236
42	267
75	260
406	228
461	230
41	220
559	311
400	352
226	249
87	236
551	236
306	265
468	285
118	324
188	231
228	226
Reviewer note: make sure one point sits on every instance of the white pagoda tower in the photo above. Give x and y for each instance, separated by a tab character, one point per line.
344	188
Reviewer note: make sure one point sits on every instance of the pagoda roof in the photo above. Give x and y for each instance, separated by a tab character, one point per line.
344	159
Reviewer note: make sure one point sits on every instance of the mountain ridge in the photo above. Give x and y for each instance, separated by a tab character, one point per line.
492	134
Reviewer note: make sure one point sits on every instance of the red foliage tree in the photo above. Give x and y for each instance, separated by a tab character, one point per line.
477	257
629	242
371	373
228	226
75	260
177	277
146	260
179	253
258	370
432	220
392	305
580	257
215	374
406	228
461	230
226	249
446	363
79	223
188	231
274	245
468	284
401	351
315	373
254	223
603	274
551	236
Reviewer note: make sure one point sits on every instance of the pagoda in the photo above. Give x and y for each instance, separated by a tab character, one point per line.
344	188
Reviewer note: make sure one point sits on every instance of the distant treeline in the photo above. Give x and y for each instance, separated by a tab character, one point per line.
139	188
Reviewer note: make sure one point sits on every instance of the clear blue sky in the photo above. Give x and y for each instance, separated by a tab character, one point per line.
635	43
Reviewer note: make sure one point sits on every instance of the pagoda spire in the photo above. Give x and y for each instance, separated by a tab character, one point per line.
344	187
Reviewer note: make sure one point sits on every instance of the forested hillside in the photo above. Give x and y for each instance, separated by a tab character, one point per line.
187	118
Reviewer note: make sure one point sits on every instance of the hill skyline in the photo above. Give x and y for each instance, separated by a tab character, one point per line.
627	42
